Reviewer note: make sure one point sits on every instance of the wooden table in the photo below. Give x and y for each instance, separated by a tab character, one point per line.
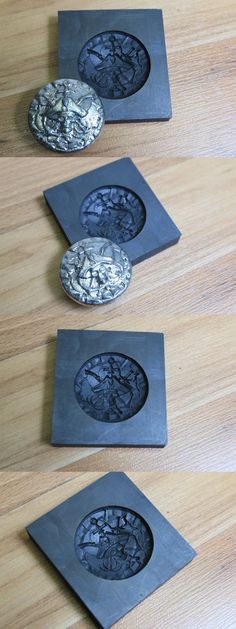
200	506
196	276
200	370
201	54
185	291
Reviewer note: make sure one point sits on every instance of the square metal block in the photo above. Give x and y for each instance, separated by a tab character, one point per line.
109	389
122	55
111	545
114	201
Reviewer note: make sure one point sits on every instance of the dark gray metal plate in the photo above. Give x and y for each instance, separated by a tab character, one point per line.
102	399
116	540
143	230
122	54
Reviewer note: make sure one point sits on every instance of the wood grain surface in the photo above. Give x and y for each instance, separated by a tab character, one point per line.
183	292
195	276
200	38
200	506
201	395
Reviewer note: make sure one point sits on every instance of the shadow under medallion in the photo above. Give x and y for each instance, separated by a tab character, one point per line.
113	543
111	387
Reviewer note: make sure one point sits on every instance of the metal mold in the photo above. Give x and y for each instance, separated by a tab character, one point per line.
127	209
122	54
109	389
144	550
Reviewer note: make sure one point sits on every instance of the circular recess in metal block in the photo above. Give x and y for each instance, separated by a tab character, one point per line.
113	212
111	387
114	63
113	543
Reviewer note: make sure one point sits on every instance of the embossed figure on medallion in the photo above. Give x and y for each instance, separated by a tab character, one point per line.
116	64
66	115
113	543
113	212
111	387
95	271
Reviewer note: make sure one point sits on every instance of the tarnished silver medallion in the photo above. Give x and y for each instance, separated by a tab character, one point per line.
66	115
95	271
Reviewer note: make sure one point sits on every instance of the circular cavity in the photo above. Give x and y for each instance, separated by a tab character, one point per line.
115	63
111	387
66	115
113	212
95	271
113	543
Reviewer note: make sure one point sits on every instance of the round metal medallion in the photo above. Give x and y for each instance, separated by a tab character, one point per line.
111	387
95	271
113	543
66	115
115	63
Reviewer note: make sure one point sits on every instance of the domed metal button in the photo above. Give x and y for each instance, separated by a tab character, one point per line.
66	115
95	271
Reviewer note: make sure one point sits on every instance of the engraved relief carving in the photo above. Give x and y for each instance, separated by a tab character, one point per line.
116	64
113	543
113	212
95	270
66	115
111	387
